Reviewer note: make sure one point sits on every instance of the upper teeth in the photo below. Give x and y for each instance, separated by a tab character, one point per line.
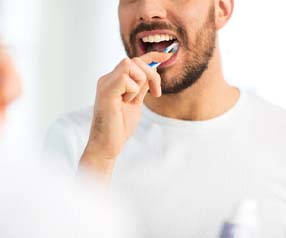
157	38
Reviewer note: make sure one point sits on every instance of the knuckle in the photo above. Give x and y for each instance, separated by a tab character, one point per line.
100	81
143	77
137	60
100	84
126	63
124	78
136	100
156	78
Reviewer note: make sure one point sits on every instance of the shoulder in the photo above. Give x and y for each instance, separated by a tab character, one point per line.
72	126
264	111
268	126
76	119
66	138
266	136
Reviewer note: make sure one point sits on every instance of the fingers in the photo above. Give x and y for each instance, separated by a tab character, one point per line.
141	95
132	89
155	57
132	78
124	78
153	77
127	66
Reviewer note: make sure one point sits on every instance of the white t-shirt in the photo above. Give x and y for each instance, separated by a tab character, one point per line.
184	178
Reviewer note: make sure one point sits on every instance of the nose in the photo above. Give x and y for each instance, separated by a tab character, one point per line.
150	10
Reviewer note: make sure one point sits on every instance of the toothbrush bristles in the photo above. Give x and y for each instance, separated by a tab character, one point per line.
172	48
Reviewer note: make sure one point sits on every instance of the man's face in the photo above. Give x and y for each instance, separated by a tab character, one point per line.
152	25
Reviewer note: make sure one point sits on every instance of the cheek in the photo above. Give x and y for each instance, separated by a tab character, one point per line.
125	21
193	30
123	26
192	15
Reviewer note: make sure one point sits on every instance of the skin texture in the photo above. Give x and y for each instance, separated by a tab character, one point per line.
193	86
9	84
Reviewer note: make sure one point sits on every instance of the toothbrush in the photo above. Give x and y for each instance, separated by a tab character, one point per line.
170	49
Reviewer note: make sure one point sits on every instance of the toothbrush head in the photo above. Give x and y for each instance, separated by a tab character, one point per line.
173	48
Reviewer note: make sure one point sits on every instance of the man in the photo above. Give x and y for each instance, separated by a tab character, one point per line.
188	151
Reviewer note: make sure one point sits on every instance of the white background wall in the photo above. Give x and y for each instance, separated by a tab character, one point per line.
62	47
79	42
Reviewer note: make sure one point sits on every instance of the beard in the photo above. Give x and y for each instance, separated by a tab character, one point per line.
197	54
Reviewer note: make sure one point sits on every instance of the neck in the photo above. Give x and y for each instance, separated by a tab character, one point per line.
208	98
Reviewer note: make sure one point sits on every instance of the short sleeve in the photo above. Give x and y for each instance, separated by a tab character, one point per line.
59	147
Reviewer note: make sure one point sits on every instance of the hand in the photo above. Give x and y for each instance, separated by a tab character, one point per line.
117	111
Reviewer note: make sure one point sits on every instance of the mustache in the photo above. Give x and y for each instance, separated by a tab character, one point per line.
158	26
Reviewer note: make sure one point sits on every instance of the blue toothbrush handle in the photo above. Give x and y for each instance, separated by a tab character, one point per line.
154	64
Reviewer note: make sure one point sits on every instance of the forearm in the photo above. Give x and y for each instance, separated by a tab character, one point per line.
98	166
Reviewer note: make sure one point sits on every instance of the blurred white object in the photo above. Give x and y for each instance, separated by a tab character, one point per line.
243	223
37	201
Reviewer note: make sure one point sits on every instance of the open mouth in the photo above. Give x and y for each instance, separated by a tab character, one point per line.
157	42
